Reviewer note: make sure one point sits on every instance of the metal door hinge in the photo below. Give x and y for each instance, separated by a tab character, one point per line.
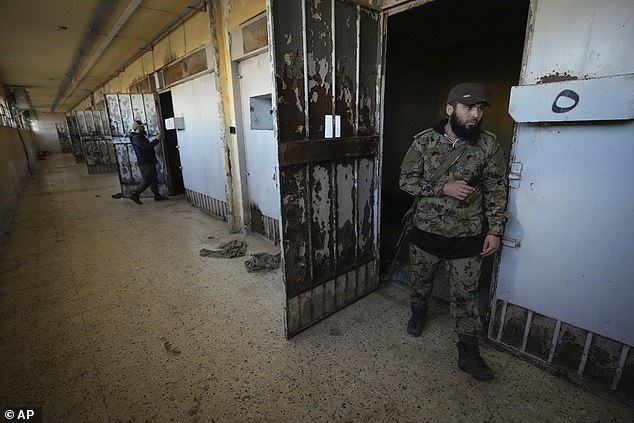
515	174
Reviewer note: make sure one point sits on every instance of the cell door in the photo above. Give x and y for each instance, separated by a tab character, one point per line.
123	109
260	146
327	76
571	230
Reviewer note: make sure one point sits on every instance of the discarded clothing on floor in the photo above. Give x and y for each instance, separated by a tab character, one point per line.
262	262
228	249
402	274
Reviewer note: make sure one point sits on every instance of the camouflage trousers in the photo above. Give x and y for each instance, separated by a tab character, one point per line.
463	275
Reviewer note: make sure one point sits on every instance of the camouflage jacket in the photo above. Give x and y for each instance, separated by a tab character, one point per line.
482	164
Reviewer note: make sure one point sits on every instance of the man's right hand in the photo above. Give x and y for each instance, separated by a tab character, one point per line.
457	189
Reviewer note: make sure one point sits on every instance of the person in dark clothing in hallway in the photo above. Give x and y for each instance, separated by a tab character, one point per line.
456	173
146	159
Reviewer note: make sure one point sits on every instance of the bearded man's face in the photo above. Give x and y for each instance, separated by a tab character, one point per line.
466	121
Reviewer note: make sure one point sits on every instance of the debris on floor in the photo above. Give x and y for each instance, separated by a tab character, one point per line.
169	348
262	262
228	249
400	273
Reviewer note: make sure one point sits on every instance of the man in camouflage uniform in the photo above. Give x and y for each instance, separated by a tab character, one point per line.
456	172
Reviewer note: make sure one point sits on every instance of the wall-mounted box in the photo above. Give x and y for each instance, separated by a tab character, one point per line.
175	123
261	108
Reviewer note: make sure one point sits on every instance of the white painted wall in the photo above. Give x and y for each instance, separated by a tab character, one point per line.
46	132
582	38
199	143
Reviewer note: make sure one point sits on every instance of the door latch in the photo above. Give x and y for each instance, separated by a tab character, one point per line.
515	174
511	242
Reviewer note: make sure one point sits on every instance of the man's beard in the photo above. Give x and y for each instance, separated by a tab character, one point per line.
469	134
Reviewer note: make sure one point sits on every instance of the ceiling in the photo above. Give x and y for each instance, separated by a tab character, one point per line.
60	51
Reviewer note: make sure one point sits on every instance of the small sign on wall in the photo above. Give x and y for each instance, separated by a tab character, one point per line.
328	126
175	123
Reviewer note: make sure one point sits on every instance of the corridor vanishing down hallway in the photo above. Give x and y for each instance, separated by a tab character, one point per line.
109	313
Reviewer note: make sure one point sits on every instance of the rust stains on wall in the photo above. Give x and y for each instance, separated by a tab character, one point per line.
557	77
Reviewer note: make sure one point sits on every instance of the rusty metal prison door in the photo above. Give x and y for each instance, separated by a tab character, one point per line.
123	110
327	86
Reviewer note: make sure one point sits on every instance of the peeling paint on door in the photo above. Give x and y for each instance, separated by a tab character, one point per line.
328	185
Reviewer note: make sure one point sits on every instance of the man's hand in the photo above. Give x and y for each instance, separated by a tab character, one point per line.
491	245
457	189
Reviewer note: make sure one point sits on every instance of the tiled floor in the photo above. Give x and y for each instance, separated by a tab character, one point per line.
108	313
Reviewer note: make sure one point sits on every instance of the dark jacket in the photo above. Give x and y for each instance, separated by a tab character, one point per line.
143	148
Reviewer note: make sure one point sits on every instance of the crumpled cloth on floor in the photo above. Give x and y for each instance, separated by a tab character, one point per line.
402	274
228	249
262	262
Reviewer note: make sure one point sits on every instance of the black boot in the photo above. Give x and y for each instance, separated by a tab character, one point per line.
469	359
415	324
136	198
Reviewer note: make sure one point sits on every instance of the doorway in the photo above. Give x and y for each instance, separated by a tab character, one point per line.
170	147
448	42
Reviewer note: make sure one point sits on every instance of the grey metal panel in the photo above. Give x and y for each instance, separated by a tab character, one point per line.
98	125
127	115
151	114
75	139
114	112
608	98
105	124
199	144
125	169
81	123
574	215
138	108
90	122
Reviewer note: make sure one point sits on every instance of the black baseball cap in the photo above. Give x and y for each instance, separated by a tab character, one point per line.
137	125
468	93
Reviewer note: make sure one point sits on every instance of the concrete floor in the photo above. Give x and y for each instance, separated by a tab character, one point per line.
108	313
